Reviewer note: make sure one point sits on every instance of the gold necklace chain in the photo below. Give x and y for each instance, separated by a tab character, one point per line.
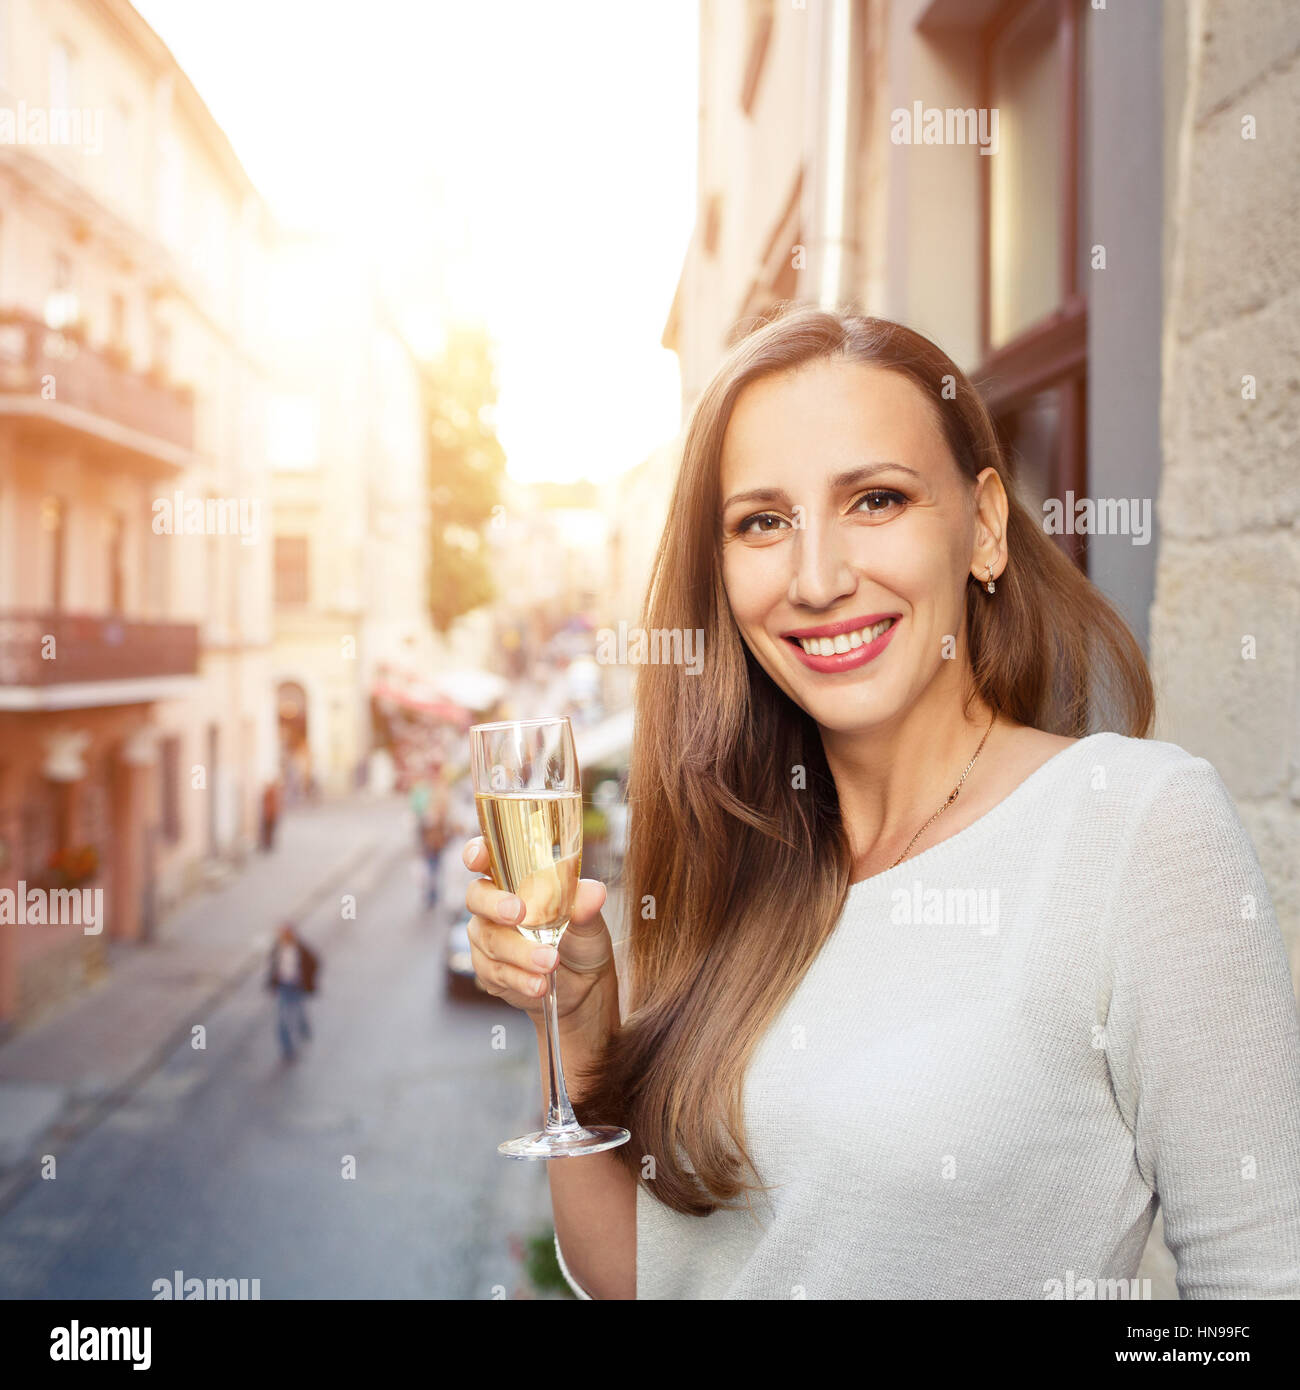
952	796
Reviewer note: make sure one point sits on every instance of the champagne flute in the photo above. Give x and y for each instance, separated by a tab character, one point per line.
528	792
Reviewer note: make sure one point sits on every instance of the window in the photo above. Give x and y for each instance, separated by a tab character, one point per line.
61	306
120	160
117	321
54	527
291	577
170	191
1031	435
162	347
216	578
169	767
116	563
40	826
158	552
1035	237
1024	220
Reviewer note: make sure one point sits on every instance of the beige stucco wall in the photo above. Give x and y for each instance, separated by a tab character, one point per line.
155	211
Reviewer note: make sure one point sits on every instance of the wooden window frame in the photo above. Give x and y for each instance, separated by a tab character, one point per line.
1053	352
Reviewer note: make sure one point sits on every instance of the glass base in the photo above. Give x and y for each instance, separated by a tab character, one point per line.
565	1143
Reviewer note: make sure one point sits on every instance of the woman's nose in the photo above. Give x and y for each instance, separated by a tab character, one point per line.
821	573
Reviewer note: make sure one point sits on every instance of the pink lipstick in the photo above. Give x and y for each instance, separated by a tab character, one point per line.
843	646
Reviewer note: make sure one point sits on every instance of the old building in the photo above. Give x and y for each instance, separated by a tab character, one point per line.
1093	208
136	727
351	507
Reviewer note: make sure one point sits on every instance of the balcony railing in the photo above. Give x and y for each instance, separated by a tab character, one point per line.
47	369
91	649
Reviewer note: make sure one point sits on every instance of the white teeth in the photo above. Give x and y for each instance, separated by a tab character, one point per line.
845	642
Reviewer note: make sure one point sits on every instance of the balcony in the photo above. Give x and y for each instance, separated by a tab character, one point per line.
53	382
92	661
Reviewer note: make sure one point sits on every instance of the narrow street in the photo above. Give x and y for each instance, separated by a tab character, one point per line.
228	1163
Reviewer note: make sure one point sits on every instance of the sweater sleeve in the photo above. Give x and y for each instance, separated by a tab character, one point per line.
1202	1039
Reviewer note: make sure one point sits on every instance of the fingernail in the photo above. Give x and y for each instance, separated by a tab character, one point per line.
545	956
510	908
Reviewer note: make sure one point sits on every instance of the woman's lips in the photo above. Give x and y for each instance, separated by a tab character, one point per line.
845	661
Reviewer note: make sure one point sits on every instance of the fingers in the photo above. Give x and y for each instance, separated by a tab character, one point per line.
587	902
483	896
485	899
585	948
507	946
500	977
504	960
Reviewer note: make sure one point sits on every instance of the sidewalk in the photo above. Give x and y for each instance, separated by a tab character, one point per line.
62	1073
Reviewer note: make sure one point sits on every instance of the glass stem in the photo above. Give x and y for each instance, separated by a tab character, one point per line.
559	1113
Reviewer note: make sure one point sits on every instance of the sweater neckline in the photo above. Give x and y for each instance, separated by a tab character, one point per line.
981	823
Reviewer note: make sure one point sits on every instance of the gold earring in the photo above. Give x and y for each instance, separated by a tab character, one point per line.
990	584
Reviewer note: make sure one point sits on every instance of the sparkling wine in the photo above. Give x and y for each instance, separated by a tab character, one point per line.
534	842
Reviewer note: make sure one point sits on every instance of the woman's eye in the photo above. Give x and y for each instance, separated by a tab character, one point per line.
880	501
761	524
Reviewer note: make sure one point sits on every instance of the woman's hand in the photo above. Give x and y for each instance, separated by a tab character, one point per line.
514	969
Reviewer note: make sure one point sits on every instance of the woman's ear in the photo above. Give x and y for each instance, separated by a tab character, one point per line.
991	511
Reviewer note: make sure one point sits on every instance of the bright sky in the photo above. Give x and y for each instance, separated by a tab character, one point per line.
525	163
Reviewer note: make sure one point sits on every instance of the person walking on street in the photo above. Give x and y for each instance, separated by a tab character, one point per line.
293	969
435	834
270	814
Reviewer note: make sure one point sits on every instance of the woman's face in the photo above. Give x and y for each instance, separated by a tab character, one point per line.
849	535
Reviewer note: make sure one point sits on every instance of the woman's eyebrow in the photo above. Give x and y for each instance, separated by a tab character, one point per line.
850	478
757	494
854	476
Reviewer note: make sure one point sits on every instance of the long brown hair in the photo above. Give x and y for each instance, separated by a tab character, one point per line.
732	884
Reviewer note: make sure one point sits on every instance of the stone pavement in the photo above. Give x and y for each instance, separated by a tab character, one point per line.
68	1067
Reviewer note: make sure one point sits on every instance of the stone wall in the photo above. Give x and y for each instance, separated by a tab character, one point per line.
1225	622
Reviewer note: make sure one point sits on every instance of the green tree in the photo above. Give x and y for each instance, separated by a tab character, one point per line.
466	464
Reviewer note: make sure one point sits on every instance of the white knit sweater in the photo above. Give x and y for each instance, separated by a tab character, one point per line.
1011	1048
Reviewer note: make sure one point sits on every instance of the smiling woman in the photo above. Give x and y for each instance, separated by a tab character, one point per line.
841	1078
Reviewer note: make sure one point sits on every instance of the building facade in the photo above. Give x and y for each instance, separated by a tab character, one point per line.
351	507
136	727
1092	207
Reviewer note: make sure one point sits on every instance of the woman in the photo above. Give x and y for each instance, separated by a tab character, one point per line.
941	975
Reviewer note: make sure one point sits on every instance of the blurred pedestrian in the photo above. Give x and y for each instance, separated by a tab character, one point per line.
292	975
435	835
421	795
270	815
